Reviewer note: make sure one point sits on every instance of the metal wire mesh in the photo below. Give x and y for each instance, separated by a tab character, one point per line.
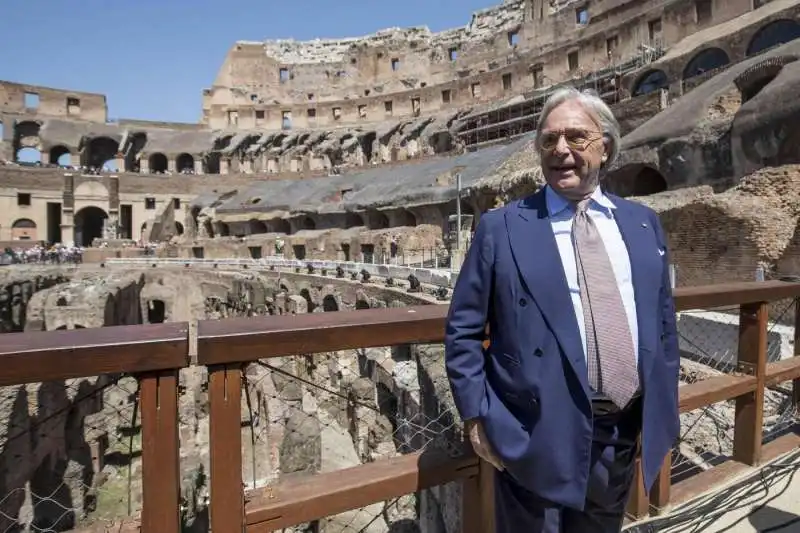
708	340
71	453
323	412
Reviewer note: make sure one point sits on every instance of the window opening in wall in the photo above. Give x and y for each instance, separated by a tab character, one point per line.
31	100
572	60
73	106
582	15
453	54
156	312
366	92
125	221
176	203
513	38
446	96
476	90
611	46
299	251
310	96
198	252
362	111
233	118
380	55
703	11
388	107
286	120
149	203
312	113
507	81
654	29
255	252
353	60
24	199
537	73
259	114
283	74
395	64
337	113
415	106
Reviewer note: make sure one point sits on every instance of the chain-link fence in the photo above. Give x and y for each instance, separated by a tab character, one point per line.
71	453
708	341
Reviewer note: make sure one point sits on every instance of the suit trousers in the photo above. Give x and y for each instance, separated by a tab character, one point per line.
614	450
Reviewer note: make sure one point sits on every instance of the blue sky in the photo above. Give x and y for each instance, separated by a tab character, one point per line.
152	58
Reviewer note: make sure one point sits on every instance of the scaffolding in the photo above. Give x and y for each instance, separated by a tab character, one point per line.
517	118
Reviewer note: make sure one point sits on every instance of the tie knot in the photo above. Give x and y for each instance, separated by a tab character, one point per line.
582	206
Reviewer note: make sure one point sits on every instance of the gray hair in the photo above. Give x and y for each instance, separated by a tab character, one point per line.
596	107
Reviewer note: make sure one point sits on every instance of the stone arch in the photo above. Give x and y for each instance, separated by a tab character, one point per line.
353	220
157	162
156	311
751	81
60	155
329	303
377	220
26	135
184	162
279	225
89	224
705	61
636	180
23	229
406	218
773	34
652	80
256	227
102	153
306	223
133	149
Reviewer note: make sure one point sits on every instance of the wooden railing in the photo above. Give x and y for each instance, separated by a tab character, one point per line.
156	353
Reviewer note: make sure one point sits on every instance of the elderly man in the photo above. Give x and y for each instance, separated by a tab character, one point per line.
583	356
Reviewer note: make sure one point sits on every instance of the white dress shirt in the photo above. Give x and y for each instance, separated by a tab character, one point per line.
601	209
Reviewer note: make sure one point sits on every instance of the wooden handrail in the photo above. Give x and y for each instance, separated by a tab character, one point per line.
34	357
302	499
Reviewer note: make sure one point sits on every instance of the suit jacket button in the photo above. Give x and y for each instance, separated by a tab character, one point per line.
523	302
537	352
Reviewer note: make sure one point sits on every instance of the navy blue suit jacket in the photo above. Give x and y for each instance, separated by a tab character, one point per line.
530	388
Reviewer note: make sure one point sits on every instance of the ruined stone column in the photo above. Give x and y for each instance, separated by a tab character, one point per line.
172	165
224	166
198	166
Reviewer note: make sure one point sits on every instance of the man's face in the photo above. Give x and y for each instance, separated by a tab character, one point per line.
571	150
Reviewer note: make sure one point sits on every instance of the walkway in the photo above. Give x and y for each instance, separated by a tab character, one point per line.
765	501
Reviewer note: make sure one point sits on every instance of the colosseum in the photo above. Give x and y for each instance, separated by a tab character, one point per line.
348	174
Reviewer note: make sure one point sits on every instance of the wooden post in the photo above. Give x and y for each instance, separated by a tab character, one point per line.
659	494
225	439
752	360
161	482
477	501
796	382
638	504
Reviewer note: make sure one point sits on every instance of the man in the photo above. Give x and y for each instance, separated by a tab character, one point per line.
583	356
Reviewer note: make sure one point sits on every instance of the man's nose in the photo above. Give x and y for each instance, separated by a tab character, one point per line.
561	146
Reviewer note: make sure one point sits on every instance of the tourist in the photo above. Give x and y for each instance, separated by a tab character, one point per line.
558	413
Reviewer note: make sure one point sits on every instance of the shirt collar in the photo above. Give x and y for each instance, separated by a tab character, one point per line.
557	203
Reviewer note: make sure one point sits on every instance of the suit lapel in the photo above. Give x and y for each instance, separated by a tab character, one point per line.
634	228
535	252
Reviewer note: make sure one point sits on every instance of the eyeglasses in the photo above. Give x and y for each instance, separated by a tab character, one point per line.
577	139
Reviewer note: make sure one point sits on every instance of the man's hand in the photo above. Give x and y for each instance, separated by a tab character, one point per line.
477	437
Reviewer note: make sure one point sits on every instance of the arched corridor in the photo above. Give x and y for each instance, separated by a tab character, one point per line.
89	224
